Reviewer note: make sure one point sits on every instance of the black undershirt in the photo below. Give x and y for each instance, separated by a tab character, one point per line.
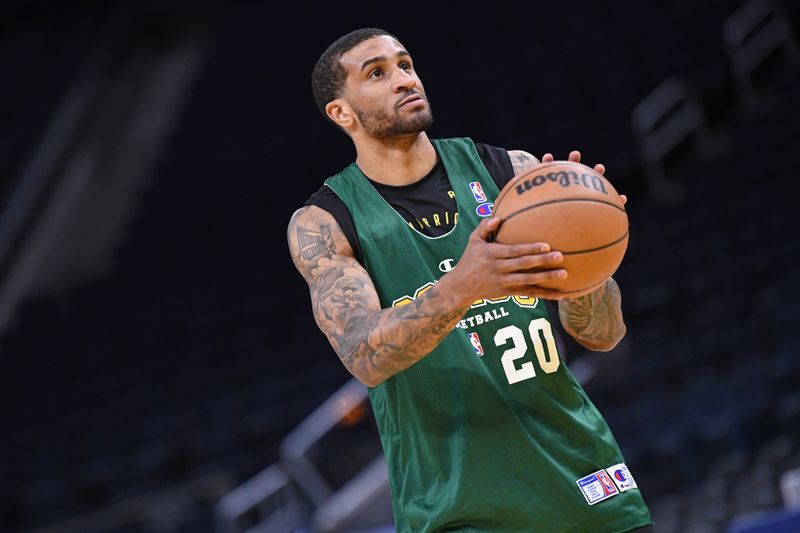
428	204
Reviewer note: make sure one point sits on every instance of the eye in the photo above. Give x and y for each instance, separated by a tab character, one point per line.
405	65
376	73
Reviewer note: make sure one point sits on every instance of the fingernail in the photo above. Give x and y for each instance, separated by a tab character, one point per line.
544	248
555	257
561	274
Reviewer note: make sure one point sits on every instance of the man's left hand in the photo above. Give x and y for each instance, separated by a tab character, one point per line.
575	157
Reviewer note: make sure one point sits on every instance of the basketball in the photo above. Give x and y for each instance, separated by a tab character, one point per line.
575	210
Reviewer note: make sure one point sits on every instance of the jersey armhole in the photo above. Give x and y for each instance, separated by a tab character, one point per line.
325	198
497	162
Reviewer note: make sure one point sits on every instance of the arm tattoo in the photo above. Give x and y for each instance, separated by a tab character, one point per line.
315	244
373	343
378	343
595	319
522	161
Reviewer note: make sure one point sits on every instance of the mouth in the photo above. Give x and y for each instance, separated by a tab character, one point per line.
416	97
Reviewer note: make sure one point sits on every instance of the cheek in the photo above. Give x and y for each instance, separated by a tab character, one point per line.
369	100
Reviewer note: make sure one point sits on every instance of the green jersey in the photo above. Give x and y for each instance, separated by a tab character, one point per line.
490	432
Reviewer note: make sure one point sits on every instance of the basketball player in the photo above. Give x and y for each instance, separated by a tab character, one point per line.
484	429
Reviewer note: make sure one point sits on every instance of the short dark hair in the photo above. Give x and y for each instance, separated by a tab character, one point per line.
329	75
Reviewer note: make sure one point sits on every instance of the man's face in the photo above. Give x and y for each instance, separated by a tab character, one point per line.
383	89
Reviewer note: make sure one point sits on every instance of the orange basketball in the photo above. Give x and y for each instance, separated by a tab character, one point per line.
574	209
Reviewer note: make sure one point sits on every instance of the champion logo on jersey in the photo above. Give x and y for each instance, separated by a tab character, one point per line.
484	210
477	192
476	343
597	487
622	477
446	265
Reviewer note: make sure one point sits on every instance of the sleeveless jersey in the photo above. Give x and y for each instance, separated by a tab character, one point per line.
490	432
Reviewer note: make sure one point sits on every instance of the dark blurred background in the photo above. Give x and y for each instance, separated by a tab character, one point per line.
157	345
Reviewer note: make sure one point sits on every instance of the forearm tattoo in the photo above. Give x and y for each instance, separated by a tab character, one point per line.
595	319
373	343
522	161
376	343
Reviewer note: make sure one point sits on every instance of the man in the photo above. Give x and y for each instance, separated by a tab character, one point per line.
483	429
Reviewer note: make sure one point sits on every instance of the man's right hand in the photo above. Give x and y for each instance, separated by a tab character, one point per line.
493	270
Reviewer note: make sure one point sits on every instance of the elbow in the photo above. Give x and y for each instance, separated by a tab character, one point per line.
597	346
367	378
360	370
605	344
370	383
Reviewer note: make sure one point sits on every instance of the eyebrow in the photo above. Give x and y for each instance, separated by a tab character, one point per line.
378	59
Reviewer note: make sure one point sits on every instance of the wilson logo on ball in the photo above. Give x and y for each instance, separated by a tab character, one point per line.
565	179
576	211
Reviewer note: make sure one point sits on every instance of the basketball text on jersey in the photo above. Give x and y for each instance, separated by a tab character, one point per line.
481	318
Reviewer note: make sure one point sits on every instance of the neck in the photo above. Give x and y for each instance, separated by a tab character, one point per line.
397	161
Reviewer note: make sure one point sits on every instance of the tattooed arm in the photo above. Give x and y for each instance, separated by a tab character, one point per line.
522	161
595	319
374	343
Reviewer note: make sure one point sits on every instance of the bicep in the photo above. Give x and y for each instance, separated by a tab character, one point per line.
340	288
522	161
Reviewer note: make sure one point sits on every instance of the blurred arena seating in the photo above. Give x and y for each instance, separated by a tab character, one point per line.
140	399
38	66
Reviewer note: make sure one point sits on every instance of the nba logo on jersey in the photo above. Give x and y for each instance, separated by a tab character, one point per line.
477	192
597	487
608	486
476	343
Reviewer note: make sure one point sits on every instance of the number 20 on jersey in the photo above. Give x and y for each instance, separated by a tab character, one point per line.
547	358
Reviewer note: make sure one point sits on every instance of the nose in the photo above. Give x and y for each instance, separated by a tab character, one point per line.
403	81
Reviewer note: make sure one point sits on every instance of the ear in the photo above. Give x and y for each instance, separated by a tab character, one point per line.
340	112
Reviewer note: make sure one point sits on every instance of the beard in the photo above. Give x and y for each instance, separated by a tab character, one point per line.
381	124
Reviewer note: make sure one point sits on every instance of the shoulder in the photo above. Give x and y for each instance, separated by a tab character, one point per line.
310	215
522	161
311	219
326	199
